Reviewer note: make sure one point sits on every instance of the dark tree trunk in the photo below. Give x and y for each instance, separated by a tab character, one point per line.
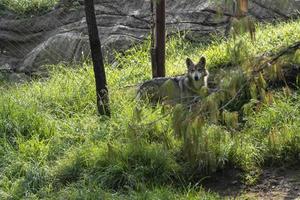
160	40
99	71
153	48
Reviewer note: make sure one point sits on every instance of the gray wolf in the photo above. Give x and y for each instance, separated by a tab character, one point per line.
180	89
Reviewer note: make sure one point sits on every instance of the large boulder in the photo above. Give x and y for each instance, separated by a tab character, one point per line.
61	35
66	47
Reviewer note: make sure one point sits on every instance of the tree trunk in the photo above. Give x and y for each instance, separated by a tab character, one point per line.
99	71
243	6
153	48
160	40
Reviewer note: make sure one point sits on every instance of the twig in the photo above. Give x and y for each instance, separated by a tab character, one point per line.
294	47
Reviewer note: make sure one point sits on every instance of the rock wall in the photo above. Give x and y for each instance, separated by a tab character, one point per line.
61	35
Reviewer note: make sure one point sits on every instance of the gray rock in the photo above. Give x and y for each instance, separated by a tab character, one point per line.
65	47
61	35
17	77
5	67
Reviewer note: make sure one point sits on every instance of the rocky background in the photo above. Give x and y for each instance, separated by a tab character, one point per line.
26	44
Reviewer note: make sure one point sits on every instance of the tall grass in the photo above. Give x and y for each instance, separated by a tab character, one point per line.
53	144
28	7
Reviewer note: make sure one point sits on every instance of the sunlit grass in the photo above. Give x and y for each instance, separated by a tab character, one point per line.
26	7
54	145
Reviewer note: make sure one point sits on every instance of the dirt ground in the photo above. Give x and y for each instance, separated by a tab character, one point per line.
274	184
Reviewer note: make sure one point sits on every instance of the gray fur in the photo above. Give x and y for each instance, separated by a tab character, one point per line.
180	89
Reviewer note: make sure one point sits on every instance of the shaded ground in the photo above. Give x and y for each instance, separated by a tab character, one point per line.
278	184
275	183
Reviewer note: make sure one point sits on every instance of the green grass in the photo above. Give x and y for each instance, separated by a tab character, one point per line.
53	144
28	7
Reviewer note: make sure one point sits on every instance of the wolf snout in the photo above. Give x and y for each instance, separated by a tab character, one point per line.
197	77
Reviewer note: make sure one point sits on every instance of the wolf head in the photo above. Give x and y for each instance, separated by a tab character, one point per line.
196	72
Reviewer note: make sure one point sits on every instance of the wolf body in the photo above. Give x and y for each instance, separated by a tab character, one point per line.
181	89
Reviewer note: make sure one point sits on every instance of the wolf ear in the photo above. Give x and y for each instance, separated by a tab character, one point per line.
189	63
202	61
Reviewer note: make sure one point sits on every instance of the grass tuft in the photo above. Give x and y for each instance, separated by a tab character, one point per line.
28	7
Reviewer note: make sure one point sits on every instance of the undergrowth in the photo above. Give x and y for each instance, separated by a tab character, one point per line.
54	145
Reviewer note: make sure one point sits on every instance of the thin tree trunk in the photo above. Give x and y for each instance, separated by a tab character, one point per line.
160	37
153	48
243	6
99	71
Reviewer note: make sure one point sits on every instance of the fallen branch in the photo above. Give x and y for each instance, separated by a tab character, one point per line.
288	50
